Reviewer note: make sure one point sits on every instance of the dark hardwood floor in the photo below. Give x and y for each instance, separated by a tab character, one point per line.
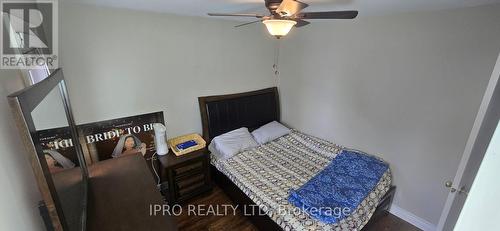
238	222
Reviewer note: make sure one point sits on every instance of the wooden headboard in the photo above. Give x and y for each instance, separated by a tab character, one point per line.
223	113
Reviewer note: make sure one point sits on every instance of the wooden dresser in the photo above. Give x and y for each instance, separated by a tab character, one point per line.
184	177
121	191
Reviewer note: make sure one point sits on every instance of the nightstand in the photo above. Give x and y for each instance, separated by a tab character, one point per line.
184	177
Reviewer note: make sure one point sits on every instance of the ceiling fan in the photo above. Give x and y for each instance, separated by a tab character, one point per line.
284	14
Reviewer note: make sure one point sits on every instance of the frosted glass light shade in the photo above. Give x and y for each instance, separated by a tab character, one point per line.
278	27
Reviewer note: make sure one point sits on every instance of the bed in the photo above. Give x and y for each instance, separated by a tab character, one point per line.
260	179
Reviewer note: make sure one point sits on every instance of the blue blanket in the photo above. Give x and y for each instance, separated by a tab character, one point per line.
337	190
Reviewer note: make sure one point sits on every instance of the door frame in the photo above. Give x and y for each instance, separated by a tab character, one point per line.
475	149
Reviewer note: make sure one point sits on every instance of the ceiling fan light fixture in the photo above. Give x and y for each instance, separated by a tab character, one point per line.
279	27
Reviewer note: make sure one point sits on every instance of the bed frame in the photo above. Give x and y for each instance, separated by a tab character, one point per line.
223	113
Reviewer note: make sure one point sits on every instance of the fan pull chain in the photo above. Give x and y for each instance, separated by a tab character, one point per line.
276	59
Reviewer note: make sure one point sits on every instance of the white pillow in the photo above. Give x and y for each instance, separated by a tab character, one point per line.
270	132
231	143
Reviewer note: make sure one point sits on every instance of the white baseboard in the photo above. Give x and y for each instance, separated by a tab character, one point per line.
412	218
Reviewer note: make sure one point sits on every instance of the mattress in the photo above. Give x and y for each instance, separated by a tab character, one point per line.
268	172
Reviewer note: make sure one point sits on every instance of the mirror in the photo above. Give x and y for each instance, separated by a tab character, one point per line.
53	133
44	117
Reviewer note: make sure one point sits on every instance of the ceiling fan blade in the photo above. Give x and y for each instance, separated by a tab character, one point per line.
290	7
237	15
248	23
301	23
328	15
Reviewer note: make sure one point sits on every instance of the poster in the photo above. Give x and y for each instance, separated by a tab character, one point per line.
117	137
101	140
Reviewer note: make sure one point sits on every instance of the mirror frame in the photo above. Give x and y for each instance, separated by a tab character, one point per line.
22	103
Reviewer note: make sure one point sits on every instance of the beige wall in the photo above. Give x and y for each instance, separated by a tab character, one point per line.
406	87
20	195
121	63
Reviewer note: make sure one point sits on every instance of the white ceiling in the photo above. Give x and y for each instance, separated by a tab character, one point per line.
365	7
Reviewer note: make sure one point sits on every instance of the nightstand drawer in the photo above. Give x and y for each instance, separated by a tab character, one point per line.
188	181
191	191
187	169
191	188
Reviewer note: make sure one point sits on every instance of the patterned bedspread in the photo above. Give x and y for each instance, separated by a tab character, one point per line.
266	174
